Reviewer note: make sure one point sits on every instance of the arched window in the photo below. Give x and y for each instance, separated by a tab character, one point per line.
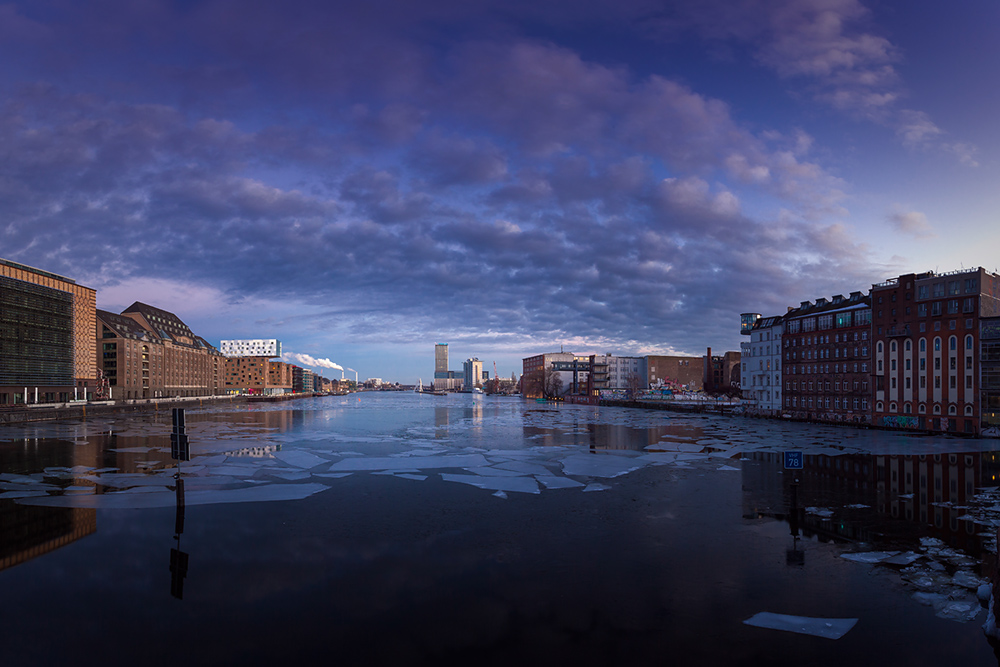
907	409
892	346
892	407
878	406
878	347
968	410
937	409
968	342
937	344
906	345
953	343
952	410
922	409
923	345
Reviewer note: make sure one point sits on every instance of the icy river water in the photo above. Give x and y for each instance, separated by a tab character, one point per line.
400	529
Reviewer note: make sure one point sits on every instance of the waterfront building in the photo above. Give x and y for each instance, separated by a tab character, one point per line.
257	375
674	371
302	379
444	380
760	363
46	336
989	374
256	347
606	371
827	358
927	329
472	374
721	373
148	352
554	374
279	377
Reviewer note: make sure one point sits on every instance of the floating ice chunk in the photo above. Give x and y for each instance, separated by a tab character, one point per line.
406	475
291	476
395	471
299	459
596	486
984	592
422	463
11	495
489	471
729	468
332	475
904	559
858	506
236	470
947	607
591	465
519	484
869	556
79	489
829	628
500	494
966	579
524	467
554	482
820	511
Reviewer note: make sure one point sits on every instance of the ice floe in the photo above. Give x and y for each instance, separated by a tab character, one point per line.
829	628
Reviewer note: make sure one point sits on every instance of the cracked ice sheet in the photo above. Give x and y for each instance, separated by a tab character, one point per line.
553	482
519	484
591	465
419	462
262	493
299	459
830	628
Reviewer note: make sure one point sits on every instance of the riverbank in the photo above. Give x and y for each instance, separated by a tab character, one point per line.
20	414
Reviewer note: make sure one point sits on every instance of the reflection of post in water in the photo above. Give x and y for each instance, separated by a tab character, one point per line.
180	450
794	556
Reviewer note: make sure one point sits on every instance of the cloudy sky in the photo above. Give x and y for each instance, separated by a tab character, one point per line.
362	180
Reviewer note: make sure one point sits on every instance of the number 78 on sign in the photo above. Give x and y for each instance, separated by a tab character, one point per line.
793	460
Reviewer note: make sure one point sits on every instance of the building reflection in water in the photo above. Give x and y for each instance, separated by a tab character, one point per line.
27	531
890	501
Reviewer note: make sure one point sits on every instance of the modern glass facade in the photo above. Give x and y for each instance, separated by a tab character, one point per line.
36	335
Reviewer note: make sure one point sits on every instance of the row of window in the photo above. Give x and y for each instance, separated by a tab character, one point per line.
836	403
825	353
839	320
825	368
922	344
922	408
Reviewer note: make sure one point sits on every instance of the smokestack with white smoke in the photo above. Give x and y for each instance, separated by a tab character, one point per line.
306	360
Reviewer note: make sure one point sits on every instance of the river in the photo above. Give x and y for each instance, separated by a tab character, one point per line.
399	529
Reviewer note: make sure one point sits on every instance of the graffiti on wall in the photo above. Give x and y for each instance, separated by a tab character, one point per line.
899	421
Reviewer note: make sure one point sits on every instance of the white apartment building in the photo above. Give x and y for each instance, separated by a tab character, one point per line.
251	348
760	373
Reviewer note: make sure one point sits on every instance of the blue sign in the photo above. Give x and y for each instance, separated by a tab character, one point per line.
793	460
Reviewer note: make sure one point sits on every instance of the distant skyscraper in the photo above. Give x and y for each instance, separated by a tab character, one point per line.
473	374
441	361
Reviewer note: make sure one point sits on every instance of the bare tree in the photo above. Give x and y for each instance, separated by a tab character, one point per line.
553	383
632	383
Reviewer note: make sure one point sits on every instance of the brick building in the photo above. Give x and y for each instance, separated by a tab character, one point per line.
927	349
148	352
676	371
827	356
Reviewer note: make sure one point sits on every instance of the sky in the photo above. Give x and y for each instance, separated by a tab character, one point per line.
362	180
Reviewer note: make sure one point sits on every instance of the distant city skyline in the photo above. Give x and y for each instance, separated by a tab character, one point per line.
362	180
